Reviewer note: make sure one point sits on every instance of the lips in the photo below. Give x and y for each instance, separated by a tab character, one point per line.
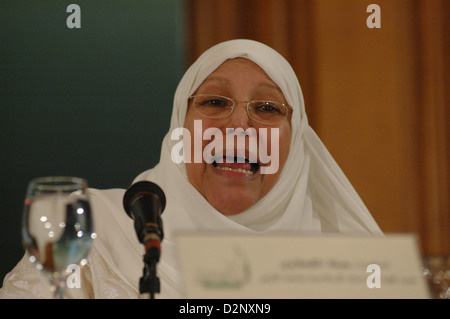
236	165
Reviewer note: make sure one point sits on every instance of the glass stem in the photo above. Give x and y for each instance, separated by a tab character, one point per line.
59	290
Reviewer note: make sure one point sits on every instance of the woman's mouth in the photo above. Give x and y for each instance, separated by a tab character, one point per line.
236	165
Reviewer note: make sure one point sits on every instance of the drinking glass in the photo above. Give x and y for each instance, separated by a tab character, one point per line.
57	227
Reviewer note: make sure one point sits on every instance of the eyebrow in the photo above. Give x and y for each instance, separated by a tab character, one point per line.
270	85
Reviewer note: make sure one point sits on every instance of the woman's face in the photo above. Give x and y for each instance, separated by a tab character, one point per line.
233	187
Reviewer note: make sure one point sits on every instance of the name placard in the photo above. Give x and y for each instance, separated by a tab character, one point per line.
291	266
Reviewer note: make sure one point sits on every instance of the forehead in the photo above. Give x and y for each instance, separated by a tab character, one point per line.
240	69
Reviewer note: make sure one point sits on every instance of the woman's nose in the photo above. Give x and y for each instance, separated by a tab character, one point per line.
239	117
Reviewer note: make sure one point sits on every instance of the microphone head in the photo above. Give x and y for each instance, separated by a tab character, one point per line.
142	188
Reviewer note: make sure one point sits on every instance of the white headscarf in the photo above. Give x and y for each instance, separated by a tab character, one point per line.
311	195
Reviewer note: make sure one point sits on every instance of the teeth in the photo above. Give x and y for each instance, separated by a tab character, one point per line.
238	170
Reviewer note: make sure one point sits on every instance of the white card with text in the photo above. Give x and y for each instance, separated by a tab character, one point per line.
295	267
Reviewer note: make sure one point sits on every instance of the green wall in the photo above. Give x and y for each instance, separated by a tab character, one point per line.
93	101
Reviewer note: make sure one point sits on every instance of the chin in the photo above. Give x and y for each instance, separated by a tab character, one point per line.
231	203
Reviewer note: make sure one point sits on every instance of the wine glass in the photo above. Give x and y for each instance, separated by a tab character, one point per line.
57	227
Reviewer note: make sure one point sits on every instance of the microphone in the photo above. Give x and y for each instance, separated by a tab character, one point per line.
144	202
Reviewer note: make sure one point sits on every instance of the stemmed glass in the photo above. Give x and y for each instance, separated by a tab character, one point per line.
57	227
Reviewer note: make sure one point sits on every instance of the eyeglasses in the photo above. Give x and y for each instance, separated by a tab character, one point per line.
217	106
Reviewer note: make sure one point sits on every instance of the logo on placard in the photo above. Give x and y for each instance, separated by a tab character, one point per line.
232	274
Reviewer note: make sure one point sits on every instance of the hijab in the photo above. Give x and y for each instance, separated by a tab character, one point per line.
311	195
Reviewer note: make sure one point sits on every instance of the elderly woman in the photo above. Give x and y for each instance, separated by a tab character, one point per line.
287	182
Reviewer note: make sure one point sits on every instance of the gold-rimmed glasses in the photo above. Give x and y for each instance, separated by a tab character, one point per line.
218	106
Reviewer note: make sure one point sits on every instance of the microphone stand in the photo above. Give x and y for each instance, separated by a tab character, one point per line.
144	202
149	284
